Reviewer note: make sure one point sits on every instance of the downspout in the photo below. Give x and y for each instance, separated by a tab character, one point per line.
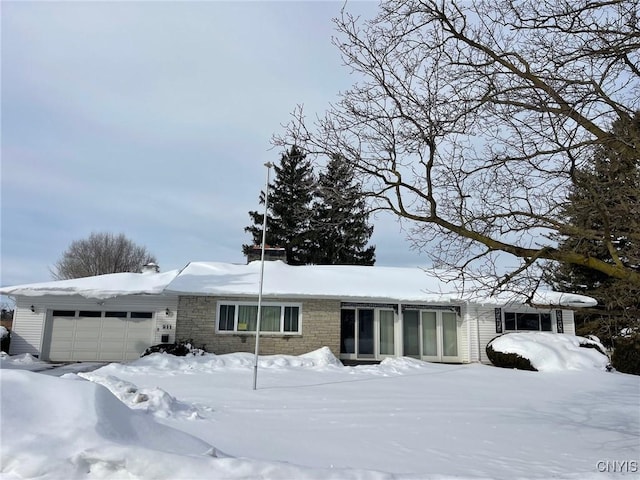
468	321
399	345
478	335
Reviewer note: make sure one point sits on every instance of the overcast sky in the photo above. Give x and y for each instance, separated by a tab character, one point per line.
154	119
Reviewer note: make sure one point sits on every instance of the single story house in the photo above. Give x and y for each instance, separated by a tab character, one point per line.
362	313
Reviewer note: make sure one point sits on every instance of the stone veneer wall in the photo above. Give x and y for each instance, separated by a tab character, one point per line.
320	321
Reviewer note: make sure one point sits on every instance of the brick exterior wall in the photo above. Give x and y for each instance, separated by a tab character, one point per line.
320	326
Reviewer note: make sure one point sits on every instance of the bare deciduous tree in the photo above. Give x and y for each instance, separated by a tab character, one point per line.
99	254
470	119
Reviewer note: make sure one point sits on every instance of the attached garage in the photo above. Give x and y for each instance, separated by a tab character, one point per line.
108	318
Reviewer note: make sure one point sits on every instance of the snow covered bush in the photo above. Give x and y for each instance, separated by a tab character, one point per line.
626	355
508	359
5	339
179	349
545	351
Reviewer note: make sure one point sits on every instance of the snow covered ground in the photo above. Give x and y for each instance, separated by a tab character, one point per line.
312	418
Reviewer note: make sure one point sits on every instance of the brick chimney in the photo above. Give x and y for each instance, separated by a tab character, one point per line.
150	268
270	253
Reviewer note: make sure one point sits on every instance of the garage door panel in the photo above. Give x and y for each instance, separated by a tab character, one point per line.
129	355
84	345
139	334
62	336
89	356
117	322
111	356
87	335
89	322
63	345
109	335
137	345
111	346
63	325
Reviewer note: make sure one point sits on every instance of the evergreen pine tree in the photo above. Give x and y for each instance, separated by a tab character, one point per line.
605	204
341	220
290	209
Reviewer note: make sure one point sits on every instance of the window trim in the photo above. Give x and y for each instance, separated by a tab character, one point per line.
237	304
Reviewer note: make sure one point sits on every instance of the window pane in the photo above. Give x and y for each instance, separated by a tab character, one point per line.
141	315
449	334
411	333
545	320
247	318
89	313
429	334
226	320
509	321
365	333
270	319
386	332
291	315
115	314
528	321
347	331
64	313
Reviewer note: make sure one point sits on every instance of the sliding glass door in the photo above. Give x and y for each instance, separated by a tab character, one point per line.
430	335
367	333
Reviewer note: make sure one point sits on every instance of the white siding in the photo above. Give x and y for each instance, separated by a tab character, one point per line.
28	328
471	332
569	322
486	329
463	335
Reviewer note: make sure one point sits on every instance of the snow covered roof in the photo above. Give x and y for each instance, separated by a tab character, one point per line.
336	281
282	280
100	286
340	281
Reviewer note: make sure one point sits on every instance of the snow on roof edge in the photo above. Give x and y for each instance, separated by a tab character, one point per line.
99	287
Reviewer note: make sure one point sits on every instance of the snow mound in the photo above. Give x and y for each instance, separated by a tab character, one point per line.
318	359
402	363
24	361
321	358
3	332
151	400
553	352
48	423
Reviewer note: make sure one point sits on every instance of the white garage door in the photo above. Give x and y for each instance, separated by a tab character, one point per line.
98	336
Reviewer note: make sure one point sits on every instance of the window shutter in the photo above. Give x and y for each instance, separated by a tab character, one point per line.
498	314
559	323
